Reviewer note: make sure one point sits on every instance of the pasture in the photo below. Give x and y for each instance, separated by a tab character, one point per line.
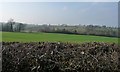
54	37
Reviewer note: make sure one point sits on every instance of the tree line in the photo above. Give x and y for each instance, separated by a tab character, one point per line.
12	26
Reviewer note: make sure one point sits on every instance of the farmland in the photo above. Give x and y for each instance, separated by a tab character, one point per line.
60	37
54	37
51	52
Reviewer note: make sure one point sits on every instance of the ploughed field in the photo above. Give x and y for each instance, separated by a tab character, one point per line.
53	37
60	57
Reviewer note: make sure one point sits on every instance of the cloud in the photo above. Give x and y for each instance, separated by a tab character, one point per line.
82	11
64	8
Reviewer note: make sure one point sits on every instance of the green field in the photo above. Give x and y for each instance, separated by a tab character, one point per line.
33	37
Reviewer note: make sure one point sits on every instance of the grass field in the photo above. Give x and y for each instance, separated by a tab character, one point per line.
33	37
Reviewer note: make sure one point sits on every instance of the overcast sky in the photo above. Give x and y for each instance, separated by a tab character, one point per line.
98	13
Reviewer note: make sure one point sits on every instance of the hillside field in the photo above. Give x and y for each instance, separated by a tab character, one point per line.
53	37
29	55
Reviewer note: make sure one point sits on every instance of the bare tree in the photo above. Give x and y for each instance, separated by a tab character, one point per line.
10	24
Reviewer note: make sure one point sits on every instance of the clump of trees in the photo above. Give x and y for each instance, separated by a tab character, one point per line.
12	26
